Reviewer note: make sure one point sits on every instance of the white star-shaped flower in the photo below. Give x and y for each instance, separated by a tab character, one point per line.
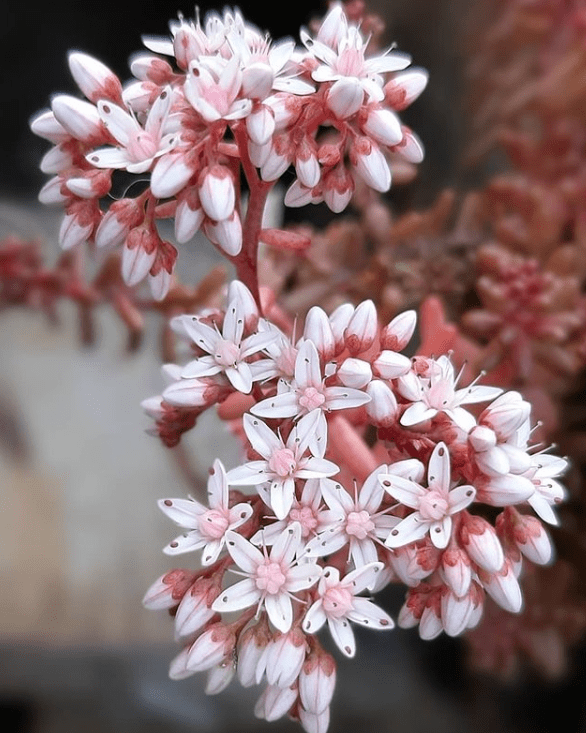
284	461
434	505
271	577
338	604
208	525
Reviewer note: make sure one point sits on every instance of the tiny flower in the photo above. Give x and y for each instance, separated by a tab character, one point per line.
208	525
338	603
434	506
271	577
227	350
308	391
284	461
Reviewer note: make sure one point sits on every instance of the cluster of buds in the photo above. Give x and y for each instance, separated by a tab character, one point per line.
330	513
216	103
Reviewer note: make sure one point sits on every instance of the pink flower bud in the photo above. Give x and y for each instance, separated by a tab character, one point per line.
92	184
390	365
362	328
532	539
138	254
217	192
504	490
482	438
314	722
371	164
220	676
46	125
505	414
168	590
503	587
121	217
318	329
79	118
383	126
260	124
188	216
227	234
211	648
354	373
275	702
317	681
252	646
257	80
145	67
94	79
480	541
306	163
456	570
338	188
345	97
56	159
195	611
285	655
455	612
170	174
397	334
405	87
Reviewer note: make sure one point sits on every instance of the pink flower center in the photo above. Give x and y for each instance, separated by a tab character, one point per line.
359	524
350	63
337	601
306	518
283	462
440	395
270	577
142	146
310	398
226	353
433	506
213	524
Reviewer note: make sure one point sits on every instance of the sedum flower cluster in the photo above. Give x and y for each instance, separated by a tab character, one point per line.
362	467
216	101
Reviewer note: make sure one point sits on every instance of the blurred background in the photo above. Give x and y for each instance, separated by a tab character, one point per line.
80	533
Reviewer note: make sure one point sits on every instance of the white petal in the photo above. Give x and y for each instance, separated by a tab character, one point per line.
343	636
280	611
238	596
368	614
410	529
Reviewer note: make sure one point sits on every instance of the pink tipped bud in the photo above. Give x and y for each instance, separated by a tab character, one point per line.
178	668
506	414
252	646
94	79
245	303
56	159
455	612
92	184
482	438
139	254
257	80
503	587
285	656
145	67
383	125
51	192
354	373
195	610
430	624
504	490
121	217
306	163
188	216
211	648
390	365
220	676
410	148
338	188
79	118
217	192
318	329
481	542
168	590
278	159
170	174
532	539
362	328
46	125
78	224
456	570
397	334
260	125
317	681
405	87
339	320
371	164
227	234
345	97
191	393
275	702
